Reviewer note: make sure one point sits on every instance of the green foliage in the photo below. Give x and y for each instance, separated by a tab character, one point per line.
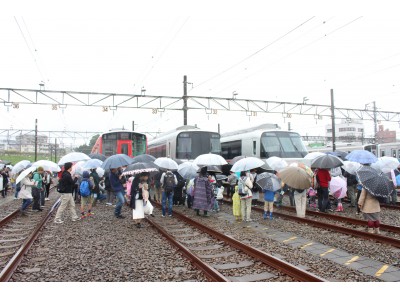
88	148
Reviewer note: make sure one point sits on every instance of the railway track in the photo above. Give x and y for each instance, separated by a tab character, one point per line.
329	226
17	234
222	257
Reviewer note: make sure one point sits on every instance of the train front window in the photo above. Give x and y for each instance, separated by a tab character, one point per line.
282	144
138	144
189	145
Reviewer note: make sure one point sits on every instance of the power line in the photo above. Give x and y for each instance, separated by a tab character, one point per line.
255	53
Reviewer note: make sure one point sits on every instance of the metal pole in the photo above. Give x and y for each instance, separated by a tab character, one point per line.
375	122
55	150
333	122
133	125
35	139
185	100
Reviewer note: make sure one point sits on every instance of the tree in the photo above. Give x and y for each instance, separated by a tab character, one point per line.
88	148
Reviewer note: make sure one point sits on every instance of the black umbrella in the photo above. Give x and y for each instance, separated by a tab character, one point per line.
375	182
221	177
139	167
212	170
341	154
102	157
144	158
326	161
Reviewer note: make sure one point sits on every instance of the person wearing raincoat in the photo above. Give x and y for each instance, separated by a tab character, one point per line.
245	203
371	210
203	197
236	205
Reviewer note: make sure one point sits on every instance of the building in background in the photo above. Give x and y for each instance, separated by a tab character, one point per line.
347	131
385	136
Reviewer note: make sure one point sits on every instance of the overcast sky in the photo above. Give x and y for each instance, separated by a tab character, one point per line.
285	54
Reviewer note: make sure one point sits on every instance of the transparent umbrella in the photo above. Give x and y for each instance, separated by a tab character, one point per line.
188	170
19	166
73	157
47	165
210	159
166	163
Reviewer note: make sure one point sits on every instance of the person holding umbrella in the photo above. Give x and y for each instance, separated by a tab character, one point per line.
116	178
203	197
370	207
168	182
323	177
26	189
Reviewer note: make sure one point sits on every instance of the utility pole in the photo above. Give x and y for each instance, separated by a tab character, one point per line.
133	125
333	122
185	109
375	121
36	139
288	126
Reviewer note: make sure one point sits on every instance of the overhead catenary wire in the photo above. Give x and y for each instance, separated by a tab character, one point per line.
253	54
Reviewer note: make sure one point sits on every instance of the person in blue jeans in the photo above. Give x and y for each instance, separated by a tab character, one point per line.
119	192
26	193
168	182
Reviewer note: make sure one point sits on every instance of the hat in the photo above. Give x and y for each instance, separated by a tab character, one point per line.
85	174
67	166
40	169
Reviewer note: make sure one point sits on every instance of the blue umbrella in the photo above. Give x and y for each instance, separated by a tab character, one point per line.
362	157
100	156
398	180
116	161
92	163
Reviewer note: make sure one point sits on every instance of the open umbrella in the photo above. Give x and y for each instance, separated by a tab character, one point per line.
237	158
326	161
116	161
19	166
166	163
24	173
386	164
92	163
100	171
351	167
362	156
276	163
102	157
295	177
47	165
5	162
375	182
188	170
221	177
336	172
303	166
338	187
213	170
210	159
341	154
313	155
73	157
138	168
143	158
77	168
268	181
247	163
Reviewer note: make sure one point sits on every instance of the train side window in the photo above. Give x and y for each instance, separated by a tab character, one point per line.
254	147
124	149
382	153
394	153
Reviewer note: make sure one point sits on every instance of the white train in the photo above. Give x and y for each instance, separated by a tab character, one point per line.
263	142
185	143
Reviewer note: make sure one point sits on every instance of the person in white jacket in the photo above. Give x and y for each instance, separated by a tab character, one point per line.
26	193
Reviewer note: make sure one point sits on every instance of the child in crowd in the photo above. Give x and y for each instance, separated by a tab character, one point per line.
268	204
147	207
312	196
85	190
236	205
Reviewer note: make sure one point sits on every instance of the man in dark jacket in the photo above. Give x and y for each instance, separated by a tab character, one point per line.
118	189
66	186
351	188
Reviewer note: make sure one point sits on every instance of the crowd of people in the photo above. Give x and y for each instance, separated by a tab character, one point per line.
202	193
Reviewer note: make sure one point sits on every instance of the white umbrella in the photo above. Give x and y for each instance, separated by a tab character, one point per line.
276	163
47	165
246	164
210	159
386	164
92	164
19	166
313	155
100	171
351	166
78	168
24	173
188	170
166	163
336	172
73	157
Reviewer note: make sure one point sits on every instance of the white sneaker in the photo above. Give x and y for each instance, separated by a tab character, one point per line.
46	199
58	221
108	203
76	219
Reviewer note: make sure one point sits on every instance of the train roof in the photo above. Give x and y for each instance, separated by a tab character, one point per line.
262	127
120	130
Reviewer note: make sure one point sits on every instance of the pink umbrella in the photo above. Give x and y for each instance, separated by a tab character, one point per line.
338	187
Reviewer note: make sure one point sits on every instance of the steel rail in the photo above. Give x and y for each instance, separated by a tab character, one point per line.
274	262
14	262
361	234
353	221
208	271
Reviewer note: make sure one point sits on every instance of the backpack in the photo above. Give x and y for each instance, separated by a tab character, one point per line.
169	182
243	189
84	188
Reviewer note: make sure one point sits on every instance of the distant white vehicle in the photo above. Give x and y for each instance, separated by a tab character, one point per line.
185	143
263	141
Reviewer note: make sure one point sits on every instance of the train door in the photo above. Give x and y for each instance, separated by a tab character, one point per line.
124	147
